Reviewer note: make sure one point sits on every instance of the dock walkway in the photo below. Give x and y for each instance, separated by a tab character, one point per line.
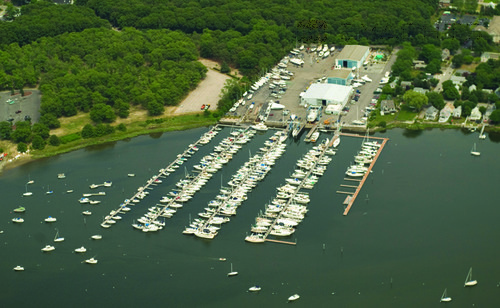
352	198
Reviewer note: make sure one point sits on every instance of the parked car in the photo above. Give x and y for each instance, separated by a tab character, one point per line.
203	107
207	106
19	111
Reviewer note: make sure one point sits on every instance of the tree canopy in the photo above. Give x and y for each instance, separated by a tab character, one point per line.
415	100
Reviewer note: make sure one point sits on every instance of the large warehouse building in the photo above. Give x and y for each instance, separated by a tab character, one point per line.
352	56
324	94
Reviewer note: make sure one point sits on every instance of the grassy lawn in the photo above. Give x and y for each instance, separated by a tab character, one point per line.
406	115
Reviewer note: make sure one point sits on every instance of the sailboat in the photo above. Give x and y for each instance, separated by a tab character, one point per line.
49	192
57	238
474	152
445	297
468	280
232	273
30	181
27	193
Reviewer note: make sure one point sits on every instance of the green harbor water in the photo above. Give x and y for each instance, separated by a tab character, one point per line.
427	213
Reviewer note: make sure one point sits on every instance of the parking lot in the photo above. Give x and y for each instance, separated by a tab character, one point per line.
14	108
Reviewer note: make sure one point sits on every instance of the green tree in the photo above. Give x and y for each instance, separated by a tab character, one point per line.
54	140
5	130
121	127
102	113
22	147
452	44
22	133
415	100
435	99
495	116
41	129
50	120
155	108
451	93
38	143
88	131
224	68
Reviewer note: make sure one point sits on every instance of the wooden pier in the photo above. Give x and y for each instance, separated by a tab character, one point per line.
351	201
281	242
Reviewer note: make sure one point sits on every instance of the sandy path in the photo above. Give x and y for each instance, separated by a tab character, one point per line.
207	92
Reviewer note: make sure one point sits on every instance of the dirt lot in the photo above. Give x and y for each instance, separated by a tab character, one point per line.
207	92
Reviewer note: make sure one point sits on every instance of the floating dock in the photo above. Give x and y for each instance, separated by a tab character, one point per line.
365	176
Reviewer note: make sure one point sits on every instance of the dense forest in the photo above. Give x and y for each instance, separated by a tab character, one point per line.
252	35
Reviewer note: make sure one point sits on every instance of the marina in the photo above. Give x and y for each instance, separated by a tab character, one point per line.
350	261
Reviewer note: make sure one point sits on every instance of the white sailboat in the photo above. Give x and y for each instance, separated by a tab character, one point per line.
445	297
474	152
468	280
232	273
254	289
27	193
293	297
57	238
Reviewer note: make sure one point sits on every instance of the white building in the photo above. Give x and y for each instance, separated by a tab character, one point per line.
324	94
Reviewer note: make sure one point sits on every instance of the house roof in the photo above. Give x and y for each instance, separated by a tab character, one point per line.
353	52
431	110
328	91
340	73
494	26
388	104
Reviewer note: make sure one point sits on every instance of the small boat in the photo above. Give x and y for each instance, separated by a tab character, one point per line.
20	209
19	268
293	297
468	280
260	127
222	259
474	152
91	261
57	238
81	249
445	297
131	175
48	248
69	191
94	202
96	237
49	192
50	219
27	193
314	136
18	220
108	184
61	176
232	273
254	289
84	200
88	213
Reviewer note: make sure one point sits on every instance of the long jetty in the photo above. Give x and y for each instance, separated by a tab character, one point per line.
290	200
352	198
164	172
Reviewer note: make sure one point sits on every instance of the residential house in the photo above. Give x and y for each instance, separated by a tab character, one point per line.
472	88
387	106
475	115
431	113
458	80
446	112
405	84
444	3
445	54
419	64
457	113
420	90
485	56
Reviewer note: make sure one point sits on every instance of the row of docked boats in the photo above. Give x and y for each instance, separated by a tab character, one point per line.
283	214
235	193
142	191
365	156
187	187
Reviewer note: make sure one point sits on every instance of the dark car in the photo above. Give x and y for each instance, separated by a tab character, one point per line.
19	111
27	118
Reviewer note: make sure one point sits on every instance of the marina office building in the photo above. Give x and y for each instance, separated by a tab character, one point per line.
333	96
352	56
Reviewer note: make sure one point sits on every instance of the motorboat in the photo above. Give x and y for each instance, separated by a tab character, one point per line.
84	200
254	289
81	249
94	201
108	184
50	219
19	268
96	237
61	176
131	175
260	127
293	297
91	261
20	209
88	213
48	248
314	136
